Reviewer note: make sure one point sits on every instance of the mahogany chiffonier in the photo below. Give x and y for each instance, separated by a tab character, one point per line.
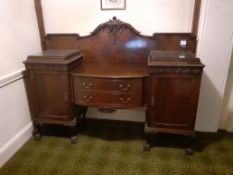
49	89
120	68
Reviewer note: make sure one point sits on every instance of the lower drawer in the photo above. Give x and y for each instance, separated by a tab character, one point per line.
111	99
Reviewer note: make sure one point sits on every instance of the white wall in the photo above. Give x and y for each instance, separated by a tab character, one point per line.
19	38
215	46
226	121
79	16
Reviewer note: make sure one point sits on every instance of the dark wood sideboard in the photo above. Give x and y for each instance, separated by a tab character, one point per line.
116	67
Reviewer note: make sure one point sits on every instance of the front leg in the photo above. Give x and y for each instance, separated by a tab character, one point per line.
36	131
189	146
147	146
84	111
73	134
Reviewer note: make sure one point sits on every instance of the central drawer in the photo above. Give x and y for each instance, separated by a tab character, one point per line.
108	84
113	92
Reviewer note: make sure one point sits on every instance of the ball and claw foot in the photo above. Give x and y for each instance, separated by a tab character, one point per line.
146	147
74	139
188	151
37	136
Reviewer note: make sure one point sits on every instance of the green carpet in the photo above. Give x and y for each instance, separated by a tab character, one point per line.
115	148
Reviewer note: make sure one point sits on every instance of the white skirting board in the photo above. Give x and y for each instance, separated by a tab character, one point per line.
14	144
230	126
8	149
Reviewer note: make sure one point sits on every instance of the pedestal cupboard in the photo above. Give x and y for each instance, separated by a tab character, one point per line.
49	88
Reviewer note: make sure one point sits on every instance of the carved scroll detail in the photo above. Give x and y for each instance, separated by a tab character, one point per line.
107	110
115	27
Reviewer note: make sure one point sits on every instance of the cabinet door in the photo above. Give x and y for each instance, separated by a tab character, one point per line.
51	95
174	100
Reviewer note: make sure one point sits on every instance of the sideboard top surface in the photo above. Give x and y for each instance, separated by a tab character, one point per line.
173	59
54	57
113	71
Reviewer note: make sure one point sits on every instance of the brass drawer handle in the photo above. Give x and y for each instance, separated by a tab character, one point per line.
87	98
87	85
125	100
124	88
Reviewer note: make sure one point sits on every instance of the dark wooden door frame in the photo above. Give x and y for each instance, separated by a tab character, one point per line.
40	22
196	16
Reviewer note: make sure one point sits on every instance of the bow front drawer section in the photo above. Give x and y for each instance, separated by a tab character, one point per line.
113	92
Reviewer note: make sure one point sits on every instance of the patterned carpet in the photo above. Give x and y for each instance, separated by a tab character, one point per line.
115	148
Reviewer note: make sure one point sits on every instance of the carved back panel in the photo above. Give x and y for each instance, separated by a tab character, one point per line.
116	42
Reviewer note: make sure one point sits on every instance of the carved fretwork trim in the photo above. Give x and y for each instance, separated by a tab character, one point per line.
178	70
169	124
107	110
46	67
115	27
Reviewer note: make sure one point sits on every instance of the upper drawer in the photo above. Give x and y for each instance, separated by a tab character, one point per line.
108	84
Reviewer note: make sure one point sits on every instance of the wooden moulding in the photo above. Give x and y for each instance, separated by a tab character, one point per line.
149	130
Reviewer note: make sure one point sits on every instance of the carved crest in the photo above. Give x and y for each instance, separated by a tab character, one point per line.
115	27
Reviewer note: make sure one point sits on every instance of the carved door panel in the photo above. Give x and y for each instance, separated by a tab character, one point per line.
173	101
51	95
